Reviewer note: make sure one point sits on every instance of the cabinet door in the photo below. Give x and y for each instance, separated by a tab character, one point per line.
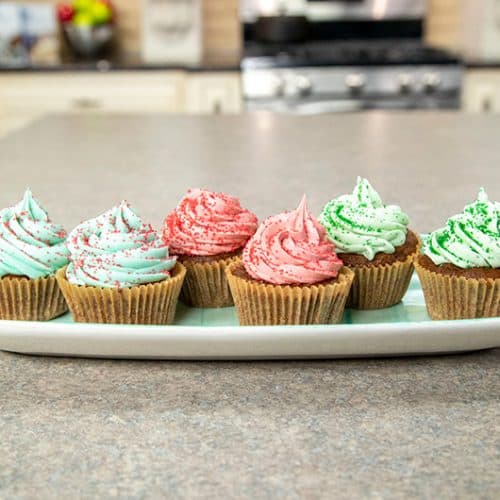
120	91
482	91
213	93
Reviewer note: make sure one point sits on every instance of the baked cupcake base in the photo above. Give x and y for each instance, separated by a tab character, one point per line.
206	282
25	299
259	303
383	281
454	293
151	304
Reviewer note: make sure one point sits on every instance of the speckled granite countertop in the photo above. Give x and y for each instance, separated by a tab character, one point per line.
388	428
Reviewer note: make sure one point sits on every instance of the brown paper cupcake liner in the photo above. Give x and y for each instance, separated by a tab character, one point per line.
266	304
206	283
457	297
378	287
26	299
151	304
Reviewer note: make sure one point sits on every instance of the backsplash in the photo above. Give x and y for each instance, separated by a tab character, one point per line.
443	24
221	29
222	32
222	37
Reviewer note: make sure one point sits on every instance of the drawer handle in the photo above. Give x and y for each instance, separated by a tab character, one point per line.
86	103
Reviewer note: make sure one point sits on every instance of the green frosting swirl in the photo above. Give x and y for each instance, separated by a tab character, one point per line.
469	239
30	244
117	250
360	223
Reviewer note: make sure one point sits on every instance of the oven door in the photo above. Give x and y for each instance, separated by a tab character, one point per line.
317	106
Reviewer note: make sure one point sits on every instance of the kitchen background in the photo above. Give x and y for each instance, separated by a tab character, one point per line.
231	56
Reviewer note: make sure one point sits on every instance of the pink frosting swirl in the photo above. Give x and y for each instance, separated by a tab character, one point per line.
208	223
291	248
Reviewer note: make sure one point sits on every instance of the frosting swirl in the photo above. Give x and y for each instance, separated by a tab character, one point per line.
208	223
360	223
291	248
469	239
30	244
117	250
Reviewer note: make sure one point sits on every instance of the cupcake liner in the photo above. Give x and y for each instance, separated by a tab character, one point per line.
378	287
266	304
457	297
206	282
151	304
28	299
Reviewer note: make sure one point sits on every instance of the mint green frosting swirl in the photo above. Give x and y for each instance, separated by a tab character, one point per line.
117	250
30	244
360	223
469	239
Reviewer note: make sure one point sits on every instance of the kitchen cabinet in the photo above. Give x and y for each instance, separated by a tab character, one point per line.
213	93
25	96
28	95
120	91
481	93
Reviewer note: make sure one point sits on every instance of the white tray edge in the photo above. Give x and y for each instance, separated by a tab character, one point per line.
235	342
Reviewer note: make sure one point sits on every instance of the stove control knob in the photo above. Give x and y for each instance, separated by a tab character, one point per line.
304	85
405	81
431	82
355	82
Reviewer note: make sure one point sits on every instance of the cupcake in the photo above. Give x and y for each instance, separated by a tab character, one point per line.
120	271
460	264
32	249
289	274
207	232
374	241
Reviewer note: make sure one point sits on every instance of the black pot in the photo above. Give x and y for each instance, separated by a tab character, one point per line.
281	29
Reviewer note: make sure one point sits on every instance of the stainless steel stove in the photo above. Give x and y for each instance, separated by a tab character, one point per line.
329	76
354	55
